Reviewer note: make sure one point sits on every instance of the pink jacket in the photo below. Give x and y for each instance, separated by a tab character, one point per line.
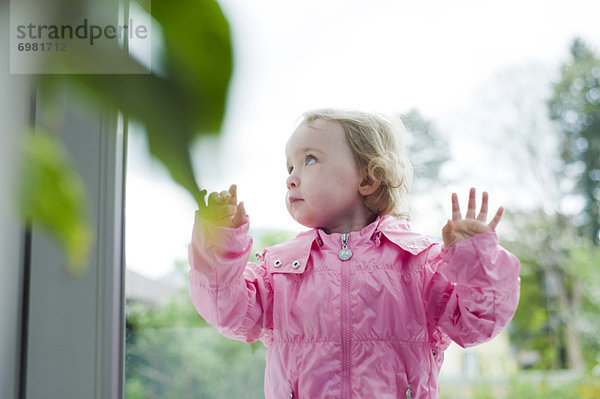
373	326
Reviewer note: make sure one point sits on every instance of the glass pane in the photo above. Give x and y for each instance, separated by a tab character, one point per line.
170	351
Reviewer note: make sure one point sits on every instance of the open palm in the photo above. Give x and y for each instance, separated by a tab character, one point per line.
459	229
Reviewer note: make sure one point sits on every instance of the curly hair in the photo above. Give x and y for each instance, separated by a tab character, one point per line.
377	142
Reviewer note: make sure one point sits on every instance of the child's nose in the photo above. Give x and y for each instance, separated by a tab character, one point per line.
292	181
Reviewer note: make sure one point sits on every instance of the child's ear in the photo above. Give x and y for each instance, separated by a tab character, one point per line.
368	186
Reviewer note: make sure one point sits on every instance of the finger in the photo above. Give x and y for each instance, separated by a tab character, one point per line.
224	197
455	208
233	192
448	233
447	229
240	215
217	199
496	218
471	207
484	207
213	199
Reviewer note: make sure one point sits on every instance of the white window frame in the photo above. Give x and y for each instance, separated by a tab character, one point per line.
73	345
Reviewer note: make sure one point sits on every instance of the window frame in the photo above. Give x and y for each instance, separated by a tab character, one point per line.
73	326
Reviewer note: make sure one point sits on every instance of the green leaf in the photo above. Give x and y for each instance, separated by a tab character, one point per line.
199	56
163	110
53	195
188	99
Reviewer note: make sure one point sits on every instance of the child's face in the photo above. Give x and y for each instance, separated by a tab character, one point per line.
323	179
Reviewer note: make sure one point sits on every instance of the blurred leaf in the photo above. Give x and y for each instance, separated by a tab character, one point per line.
187	100
53	195
160	107
198	56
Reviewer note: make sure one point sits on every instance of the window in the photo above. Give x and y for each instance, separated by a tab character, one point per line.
71	326
170	351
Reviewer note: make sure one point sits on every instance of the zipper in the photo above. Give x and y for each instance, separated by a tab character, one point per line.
346	322
345	252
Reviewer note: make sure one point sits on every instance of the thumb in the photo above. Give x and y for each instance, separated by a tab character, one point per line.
447	233
240	215
448	227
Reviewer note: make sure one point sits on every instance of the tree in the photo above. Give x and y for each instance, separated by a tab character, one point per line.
171	353
549	315
427	148
513	120
575	106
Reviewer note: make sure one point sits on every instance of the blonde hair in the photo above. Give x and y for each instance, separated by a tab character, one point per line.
377	142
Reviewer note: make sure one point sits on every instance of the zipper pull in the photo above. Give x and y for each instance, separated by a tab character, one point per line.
345	252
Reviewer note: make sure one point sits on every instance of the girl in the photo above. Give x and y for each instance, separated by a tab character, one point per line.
359	306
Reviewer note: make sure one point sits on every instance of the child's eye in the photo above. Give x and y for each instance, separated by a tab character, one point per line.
310	159
290	168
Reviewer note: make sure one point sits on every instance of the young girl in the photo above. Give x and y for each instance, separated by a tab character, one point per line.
359	306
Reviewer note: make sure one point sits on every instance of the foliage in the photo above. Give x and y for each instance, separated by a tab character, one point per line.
188	97
528	385
266	239
172	353
555	318
575	106
584	259
182	362
54	196
581	388
559	292
176	312
185	96
428	151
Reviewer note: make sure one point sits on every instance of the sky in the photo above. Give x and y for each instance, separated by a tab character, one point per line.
384	55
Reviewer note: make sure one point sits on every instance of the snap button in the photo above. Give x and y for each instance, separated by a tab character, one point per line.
296	264
412	246
277	263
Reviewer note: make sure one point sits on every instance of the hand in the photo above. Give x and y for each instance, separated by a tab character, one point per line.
459	229
222	208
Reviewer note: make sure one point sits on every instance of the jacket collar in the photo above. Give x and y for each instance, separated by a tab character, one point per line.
398	232
395	230
296	251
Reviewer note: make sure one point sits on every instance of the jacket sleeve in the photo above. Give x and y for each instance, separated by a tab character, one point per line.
230	293
473	289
